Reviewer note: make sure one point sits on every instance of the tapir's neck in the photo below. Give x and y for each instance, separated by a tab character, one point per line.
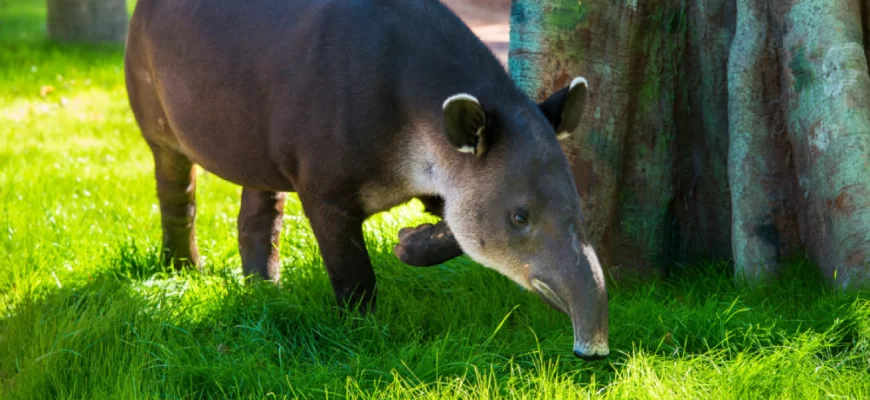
454	62
424	165
428	163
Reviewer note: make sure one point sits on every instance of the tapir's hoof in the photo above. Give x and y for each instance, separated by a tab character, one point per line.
427	245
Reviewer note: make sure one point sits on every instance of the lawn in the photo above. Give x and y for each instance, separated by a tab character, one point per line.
88	313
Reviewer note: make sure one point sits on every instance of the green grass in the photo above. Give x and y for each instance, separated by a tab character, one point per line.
88	313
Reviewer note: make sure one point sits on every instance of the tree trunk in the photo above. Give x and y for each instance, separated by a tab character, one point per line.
87	20
717	129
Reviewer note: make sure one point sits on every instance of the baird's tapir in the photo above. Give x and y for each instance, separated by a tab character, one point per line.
358	106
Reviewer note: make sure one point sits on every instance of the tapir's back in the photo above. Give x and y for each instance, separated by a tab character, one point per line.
254	91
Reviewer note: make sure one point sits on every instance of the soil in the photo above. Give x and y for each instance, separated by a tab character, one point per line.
488	19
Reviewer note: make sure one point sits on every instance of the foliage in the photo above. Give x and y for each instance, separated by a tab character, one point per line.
88	313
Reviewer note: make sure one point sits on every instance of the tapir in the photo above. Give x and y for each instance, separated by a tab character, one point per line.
358	106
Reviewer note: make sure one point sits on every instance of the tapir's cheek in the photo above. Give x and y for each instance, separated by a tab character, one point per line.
479	217
519	241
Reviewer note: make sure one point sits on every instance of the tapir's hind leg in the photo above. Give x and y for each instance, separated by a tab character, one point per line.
176	191
342	246
260	221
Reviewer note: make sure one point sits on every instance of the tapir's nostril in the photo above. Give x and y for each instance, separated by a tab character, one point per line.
593	357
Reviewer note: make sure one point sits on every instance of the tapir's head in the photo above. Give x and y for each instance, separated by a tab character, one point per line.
515	207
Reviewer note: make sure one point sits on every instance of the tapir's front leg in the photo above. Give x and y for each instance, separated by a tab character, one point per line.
427	245
340	238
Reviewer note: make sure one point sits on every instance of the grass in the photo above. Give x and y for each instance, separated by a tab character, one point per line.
88	313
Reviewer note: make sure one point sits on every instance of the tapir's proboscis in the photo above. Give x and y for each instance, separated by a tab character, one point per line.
359	106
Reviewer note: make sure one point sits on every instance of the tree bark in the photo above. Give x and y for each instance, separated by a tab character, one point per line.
732	129
87	20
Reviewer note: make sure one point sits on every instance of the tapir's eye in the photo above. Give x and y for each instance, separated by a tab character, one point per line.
520	219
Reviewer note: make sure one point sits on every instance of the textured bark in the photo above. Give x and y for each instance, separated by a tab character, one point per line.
763	223
730	129
826	92
87	20
702	199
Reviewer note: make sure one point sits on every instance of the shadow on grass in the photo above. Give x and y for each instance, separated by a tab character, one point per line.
138	328
208	334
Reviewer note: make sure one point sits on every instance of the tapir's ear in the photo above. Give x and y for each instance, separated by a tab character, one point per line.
465	122
564	108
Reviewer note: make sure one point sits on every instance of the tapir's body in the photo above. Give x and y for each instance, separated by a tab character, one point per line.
276	115
340	101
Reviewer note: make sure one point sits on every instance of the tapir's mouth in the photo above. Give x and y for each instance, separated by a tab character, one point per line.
585	357
549	296
591	351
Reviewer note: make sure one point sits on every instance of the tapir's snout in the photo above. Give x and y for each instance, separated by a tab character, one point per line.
589	308
578	289
590	325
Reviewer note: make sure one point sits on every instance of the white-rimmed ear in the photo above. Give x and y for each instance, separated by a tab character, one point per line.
465	123
565	108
